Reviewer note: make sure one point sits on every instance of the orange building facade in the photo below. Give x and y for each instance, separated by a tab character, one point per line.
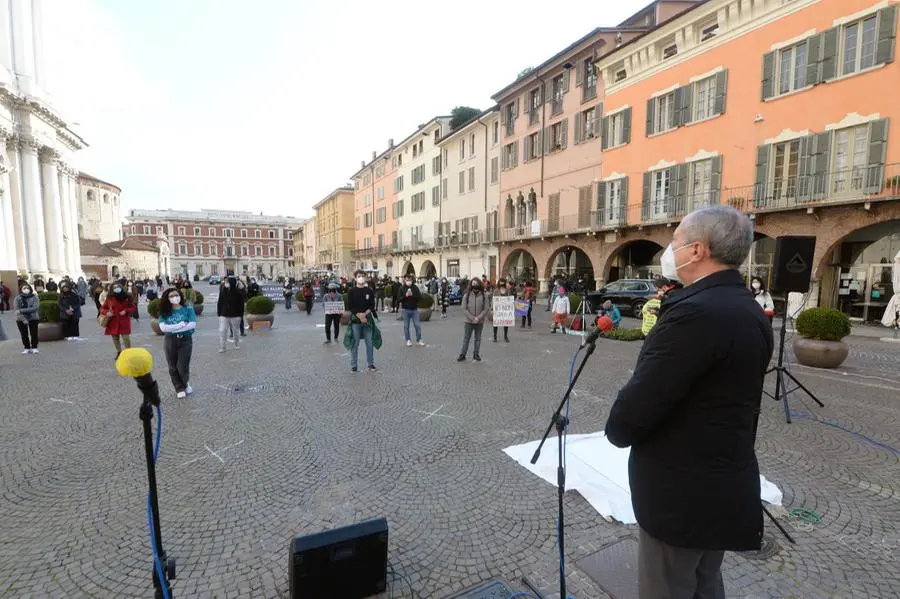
781	109
376	222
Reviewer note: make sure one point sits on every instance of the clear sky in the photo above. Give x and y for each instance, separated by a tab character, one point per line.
268	105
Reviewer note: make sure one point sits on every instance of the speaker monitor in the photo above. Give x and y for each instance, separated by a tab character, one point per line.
792	269
344	563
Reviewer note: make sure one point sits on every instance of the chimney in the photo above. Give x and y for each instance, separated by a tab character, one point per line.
363	162
374	154
391	142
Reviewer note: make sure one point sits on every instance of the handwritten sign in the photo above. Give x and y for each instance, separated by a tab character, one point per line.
334	307
522	307
504	311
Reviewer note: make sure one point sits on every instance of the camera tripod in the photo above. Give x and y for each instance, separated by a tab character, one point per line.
781	371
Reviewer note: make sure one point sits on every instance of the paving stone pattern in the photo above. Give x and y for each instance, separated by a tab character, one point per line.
280	439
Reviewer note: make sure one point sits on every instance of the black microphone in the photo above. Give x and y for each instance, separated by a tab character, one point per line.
595	334
137	363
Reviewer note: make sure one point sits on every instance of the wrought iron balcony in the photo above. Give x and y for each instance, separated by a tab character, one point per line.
845	186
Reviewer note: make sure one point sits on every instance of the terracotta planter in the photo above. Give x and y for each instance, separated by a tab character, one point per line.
154	324
301	306
345	319
425	314
820	354
251	318
50	331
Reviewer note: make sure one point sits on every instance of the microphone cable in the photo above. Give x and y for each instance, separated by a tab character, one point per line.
157	562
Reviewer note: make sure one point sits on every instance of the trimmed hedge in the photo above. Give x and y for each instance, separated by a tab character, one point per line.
426	301
260	305
824	324
48	296
624	334
198	297
153	308
48	311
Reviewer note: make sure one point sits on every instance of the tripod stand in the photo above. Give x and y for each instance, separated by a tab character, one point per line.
560	421
781	371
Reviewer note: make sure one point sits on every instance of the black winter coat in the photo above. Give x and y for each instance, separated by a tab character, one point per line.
231	302
689	414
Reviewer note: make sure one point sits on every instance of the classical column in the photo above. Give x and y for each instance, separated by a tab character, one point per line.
69	181
22	43
53	218
8	255
66	217
32	211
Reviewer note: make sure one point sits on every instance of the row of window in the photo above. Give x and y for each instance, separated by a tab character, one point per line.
181	249
837	52
93	198
211	232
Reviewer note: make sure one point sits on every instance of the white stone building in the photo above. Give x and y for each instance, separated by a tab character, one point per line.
215	242
99	205
470	198
417	183
38	209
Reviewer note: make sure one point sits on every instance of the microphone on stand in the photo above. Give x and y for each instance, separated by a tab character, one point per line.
592	338
137	363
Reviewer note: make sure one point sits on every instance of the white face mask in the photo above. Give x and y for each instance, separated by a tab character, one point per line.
175	299
755	285
26	291
227	285
361	280
117	290
667	262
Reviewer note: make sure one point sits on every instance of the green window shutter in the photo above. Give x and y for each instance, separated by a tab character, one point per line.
579	73
576	138
564	133
685	109
877	153
675	113
515	153
645	199
887	35
721	92
626	127
829	54
819	163
715	182
600	219
528	149
547	139
679	201
622	208
805	168
584	207
565	80
813	59
598	113
604	133
768	75
761	188
651	114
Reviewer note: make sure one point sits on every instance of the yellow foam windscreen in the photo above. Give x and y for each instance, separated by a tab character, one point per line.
134	362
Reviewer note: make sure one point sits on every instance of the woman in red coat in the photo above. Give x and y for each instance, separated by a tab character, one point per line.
119	307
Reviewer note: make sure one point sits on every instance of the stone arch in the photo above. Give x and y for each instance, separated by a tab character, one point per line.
578	263
408	268
609	252
428	269
520	264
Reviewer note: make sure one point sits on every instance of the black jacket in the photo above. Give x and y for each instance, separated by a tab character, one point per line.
231	302
689	414
411	302
360	299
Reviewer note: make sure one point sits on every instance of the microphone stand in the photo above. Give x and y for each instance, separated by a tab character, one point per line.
559	421
150	391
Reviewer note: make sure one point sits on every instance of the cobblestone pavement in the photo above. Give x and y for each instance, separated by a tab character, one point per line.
302	445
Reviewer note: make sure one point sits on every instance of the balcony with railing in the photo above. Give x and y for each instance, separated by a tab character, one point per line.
845	186
412	246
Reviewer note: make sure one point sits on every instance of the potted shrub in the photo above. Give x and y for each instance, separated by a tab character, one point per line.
260	309
426	303
821	332
198	303
49	328
389	295
48	296
301	304
153	311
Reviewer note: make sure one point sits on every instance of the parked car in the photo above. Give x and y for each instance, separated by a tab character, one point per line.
629	295
215	279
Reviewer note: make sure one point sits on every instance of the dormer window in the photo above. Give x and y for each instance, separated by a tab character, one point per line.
669	51
709	31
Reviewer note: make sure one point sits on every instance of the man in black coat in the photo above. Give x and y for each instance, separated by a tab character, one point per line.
689	413
230	310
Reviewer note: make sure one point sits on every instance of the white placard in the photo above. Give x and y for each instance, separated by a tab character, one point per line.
334	307
504	311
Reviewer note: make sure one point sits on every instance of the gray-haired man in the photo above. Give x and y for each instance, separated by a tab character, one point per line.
689	413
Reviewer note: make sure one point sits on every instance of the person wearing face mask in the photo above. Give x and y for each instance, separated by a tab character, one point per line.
25	305
763	297
332	320
690	409
475	304
502	290
178	322
117	310
361	303
444	296
69	311
230	310
309	297
650	309
409	300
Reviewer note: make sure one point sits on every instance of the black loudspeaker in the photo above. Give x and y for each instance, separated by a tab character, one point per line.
792	268
345	563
